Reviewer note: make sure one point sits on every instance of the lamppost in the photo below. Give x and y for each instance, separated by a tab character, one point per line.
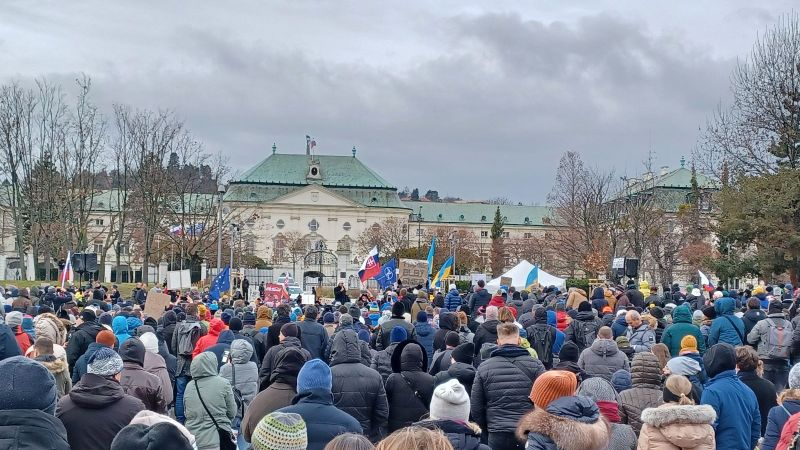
220	193
234	233
453	240
419	233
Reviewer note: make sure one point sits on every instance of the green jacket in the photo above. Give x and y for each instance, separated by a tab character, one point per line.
218	397
682	326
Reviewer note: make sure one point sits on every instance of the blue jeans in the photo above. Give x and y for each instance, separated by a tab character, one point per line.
241	444
180	387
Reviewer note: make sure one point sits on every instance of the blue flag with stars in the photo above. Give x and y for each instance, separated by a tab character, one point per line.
221	283
388	275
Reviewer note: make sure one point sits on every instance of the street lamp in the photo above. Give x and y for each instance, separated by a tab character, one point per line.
419	233
220	193
453	240
234	233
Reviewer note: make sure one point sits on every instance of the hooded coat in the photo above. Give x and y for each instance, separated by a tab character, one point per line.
357	389
424	333
382	361
246	373
323	420
448	322
464	373
501	388
31	429
677	427
645	392
313	337
270	361
726	327
462	436
139	383
218	397
58	368
263	317
486	334
166	328
420	304
85	334
453	300
602	359
214	329
751	317
96	400
120	328
568	423
280	393
409	388
681	327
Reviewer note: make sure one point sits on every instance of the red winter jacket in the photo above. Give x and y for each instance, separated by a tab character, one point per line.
215	327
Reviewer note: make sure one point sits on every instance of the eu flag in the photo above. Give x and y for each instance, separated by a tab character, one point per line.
221	283
388	275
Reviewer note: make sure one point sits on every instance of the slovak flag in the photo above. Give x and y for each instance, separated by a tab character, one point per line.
371	266
705	281
66	274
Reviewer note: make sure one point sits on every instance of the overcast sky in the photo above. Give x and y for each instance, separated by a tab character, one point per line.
475	99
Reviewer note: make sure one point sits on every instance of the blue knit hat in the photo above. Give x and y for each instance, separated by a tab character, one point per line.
399	334
21	392
314	374
621	380
422	316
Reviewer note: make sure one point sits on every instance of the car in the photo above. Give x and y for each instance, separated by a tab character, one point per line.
294	290
285	278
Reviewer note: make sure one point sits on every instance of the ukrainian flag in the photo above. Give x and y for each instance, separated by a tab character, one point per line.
431	252
533	278
443	273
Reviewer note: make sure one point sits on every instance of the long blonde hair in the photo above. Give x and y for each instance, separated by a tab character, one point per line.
681	387
415	438
788	394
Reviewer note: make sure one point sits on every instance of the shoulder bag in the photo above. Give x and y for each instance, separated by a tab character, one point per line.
226	439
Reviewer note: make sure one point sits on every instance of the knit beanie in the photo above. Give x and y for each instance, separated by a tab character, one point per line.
657	312
88	315
346	320
155	437
598	389
552	385
132	350
422	316
363	335
399	334
775	307
569	352
150	418
584	307
328	318
452	339
398	310
689	344
794	377
464	353
150	342
235	324
105	362
106	338
14	319
280	431
290	330
710	312
622	342
314	374
621	380
27	384
450	401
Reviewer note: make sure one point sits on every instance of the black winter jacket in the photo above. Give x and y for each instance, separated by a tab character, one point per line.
31	429
384	331
478	299
447	322
80	340
323	420
357	389
382	361
583	329
409	388
270	361
486	334
464	373
313	337
461	436
274	332
501	388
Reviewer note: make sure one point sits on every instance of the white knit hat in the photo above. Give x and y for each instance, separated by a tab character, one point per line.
794	377
150	342
450	401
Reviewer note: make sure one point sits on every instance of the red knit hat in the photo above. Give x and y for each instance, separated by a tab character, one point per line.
553	385
106	338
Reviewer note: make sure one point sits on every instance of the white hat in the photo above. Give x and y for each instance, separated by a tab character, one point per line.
696	292
450	401
452	286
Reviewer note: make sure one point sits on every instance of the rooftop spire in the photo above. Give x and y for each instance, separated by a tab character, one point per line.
274	148
354	151
683	162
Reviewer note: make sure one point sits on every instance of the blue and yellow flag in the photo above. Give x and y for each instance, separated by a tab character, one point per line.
431	252
443	273
533	278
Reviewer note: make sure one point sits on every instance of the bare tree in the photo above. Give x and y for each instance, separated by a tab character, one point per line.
389	235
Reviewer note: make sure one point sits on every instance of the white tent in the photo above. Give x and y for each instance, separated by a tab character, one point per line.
519	275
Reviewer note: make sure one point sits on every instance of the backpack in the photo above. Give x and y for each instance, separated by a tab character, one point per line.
188	334
585	334
542	340
789	439
778	340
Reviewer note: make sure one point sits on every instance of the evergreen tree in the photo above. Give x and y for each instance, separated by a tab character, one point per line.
497	253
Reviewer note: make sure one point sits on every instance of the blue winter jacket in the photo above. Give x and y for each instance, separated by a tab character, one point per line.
619	327
120	327
560	336
722	328
323	420
776	419
736	406
424	335
452	301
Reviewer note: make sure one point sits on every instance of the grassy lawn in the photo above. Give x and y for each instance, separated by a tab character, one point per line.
124	288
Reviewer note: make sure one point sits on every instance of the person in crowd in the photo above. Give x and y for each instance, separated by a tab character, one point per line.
453	299
726	327
480	298
448	322
314	338
773	339
575	297
424	332
487	332
598	299
639	334
314	403
120	328
82	337
14	322
222	348
561	420
329	323
679	423
681	326
382	361
449	412
263	317
242	374
788	405
603	357
104	338
441	358
43	353
568	360
215	327
624	346
583	329
466	325
620	325
689	368
621	380
645	391
349	441
166	327
461	367
208	402
544	337
280	393
358	390
184	340
662	353
50	326
27	408
420	303
153	433
409	387
136	381
384	331
280	431
154	363
738	422
753	315
283	313
289	337
747	369
607	400
500	391
97	407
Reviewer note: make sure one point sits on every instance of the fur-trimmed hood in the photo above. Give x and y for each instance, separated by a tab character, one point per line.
679	414
572	423
53	364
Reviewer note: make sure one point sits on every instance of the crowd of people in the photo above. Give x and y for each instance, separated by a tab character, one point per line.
621	367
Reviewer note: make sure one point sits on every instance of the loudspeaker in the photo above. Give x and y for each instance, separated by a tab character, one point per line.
91	262
631	267
78	263
84	262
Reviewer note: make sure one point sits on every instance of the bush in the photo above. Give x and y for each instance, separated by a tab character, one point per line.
581	283
464	286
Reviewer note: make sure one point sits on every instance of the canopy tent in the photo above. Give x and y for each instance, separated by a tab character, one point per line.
519	275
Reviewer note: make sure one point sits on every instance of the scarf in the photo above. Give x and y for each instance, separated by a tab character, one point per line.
609	410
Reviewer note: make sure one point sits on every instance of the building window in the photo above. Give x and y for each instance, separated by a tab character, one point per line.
250	245
505	234
313	225
124	250
280	224
420	232
483	218
484	234
99	222
346	226
98	246
528	235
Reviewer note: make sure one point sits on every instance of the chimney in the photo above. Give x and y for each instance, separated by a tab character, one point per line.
664	170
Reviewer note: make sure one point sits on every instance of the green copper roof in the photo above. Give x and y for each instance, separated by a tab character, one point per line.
335	171
678	178
479	213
